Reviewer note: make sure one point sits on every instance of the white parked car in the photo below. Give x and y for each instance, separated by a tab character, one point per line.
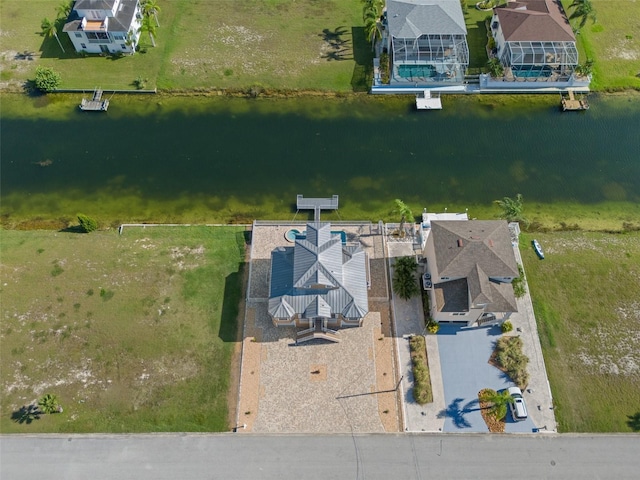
517	406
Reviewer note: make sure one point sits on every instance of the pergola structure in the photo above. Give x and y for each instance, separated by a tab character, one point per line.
540	58
447	54
427	41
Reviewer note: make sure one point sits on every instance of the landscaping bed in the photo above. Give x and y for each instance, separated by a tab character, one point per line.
422	392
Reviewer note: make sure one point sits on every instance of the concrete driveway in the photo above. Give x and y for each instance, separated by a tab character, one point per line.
464	356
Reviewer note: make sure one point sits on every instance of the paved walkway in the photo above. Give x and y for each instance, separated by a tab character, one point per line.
409	320
318	386
538	393
448	383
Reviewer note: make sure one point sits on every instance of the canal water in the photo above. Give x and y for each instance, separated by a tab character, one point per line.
157	158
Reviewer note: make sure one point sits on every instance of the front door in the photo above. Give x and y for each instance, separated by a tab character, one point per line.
104	48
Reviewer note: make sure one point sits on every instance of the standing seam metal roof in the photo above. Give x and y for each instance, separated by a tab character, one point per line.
318	279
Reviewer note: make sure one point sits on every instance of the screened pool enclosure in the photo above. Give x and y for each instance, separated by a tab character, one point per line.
540	60
434	58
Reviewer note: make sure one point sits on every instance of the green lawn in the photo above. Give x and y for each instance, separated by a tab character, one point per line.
283	44
133	333
586	299
275	44
613	42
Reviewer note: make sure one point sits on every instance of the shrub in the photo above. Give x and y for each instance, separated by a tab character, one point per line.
509	356
384	68
405	284
140	82
506	327
433	326
87	224
47	79
421	378
518	284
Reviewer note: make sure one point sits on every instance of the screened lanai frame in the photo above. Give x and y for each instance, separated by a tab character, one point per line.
561	57
447	53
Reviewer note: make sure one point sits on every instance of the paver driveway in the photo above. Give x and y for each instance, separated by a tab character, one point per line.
464	356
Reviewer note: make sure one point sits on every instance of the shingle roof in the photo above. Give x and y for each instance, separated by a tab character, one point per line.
477	250
534	21
318	277
412	18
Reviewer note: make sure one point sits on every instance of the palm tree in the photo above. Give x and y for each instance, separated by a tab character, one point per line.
49	29
499	402
584	10
64	9
130	41
49	403
150	28
404	211
404	279
371	12
512	209
150	7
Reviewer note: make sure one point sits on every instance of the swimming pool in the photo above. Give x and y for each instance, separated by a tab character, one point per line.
416	71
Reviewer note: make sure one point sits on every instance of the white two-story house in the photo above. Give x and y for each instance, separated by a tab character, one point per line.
104	26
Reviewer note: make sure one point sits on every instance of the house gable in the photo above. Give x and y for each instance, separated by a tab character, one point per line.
413	18
534	21
318	278
473	266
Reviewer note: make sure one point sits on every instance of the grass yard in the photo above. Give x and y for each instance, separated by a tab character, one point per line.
586	297
284	44
613	42
133	333
274	44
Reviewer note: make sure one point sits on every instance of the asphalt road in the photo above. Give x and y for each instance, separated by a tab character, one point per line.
384	456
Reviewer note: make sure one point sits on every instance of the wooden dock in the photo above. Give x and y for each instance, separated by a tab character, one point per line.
428	101
571	103
96	104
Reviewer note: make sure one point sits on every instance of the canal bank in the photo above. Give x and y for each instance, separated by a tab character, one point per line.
217	159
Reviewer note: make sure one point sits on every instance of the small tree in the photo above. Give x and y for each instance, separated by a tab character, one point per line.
150	8
148	27
50	29
495	67
512	209
49	403
87	224
405	284
47	79
64	8
499	402
405	213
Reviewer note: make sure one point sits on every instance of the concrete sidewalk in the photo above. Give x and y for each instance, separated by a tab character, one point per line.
409	320
538	392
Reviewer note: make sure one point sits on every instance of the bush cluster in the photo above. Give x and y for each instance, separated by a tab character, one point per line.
421	378
518	284
405	284
87	224
433	326
47	79
510	357
506	327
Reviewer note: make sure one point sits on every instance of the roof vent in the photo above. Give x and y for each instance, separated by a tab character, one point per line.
491	243
460	242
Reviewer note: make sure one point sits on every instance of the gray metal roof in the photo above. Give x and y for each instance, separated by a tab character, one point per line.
94	4
412	18
120	23
318	277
